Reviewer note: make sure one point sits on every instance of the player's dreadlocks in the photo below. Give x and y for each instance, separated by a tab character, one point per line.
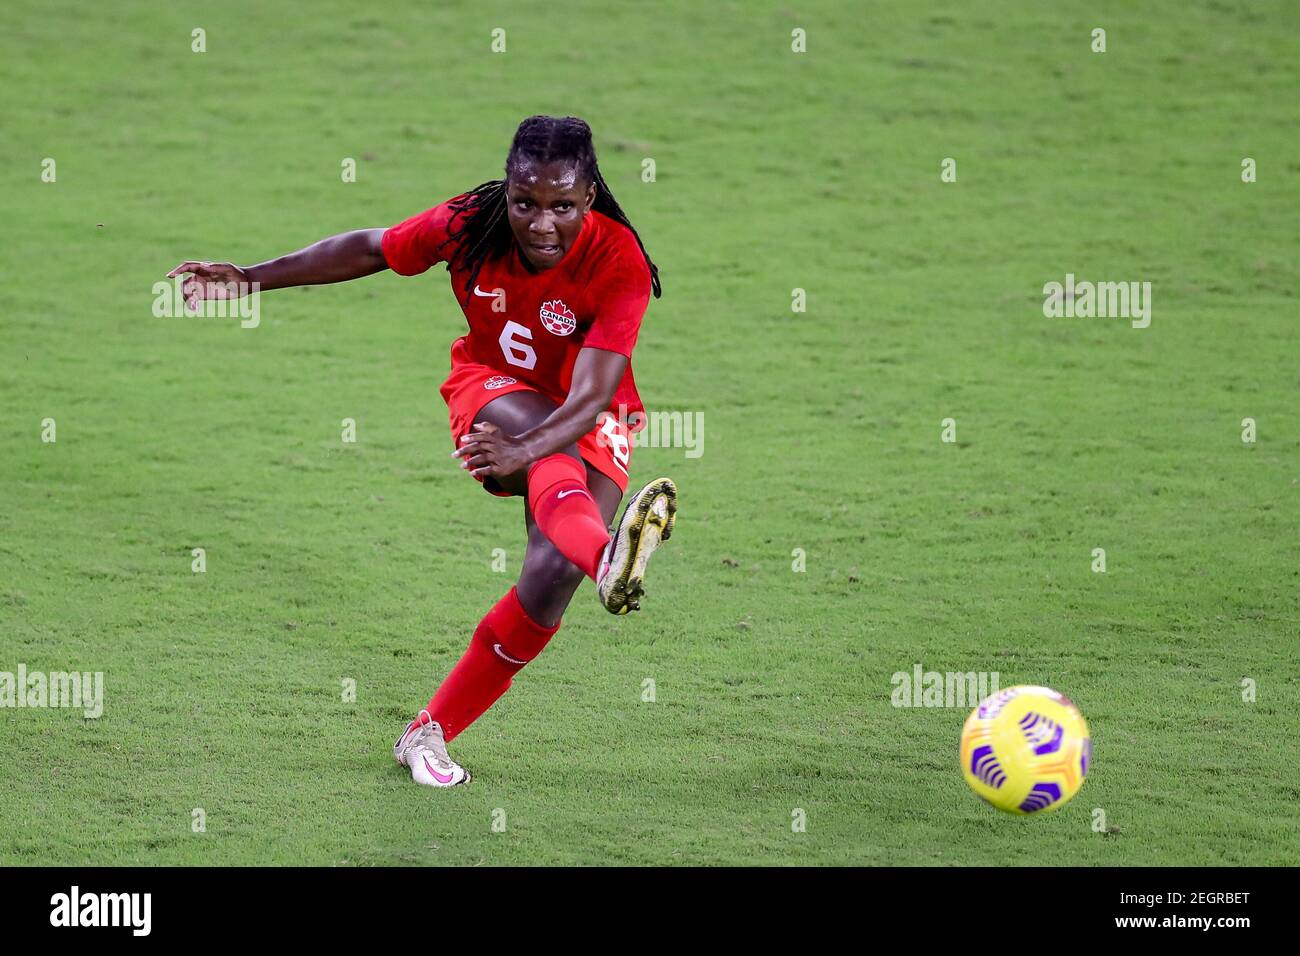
485	230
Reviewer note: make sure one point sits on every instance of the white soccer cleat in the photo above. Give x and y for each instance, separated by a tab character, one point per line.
423	751
646	523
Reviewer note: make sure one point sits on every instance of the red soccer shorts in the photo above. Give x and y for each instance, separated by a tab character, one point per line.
470	386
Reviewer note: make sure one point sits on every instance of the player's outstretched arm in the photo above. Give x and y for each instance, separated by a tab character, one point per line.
349	255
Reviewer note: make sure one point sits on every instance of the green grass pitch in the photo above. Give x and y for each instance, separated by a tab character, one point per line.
775	170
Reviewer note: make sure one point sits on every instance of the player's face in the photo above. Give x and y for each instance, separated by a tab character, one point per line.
546	203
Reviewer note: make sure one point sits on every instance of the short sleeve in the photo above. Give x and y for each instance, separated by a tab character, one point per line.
412	246
621	302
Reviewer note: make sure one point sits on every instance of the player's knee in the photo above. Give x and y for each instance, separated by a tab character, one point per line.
557	571
564	464
548	583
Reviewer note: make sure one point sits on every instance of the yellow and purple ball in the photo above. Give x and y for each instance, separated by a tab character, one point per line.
1025	749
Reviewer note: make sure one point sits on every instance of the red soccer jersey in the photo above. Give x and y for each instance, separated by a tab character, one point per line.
593	298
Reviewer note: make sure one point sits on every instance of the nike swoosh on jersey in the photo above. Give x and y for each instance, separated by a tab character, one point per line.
571	491
486	295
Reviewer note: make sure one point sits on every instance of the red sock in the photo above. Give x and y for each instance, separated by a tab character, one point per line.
504	641
566	512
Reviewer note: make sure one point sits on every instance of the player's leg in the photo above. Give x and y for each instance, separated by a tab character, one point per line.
524	621
513	633
548	579
521	624
556	487
576	502
560	492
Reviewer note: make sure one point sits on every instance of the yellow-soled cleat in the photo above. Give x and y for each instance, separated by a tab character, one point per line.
646	523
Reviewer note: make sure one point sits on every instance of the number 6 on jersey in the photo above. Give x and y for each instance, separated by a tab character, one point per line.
516	352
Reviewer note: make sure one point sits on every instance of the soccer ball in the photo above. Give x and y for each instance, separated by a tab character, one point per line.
1025	749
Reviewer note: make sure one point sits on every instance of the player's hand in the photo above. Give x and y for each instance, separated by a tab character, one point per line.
211	280
487	450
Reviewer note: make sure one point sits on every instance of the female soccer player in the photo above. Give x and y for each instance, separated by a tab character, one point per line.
553	281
